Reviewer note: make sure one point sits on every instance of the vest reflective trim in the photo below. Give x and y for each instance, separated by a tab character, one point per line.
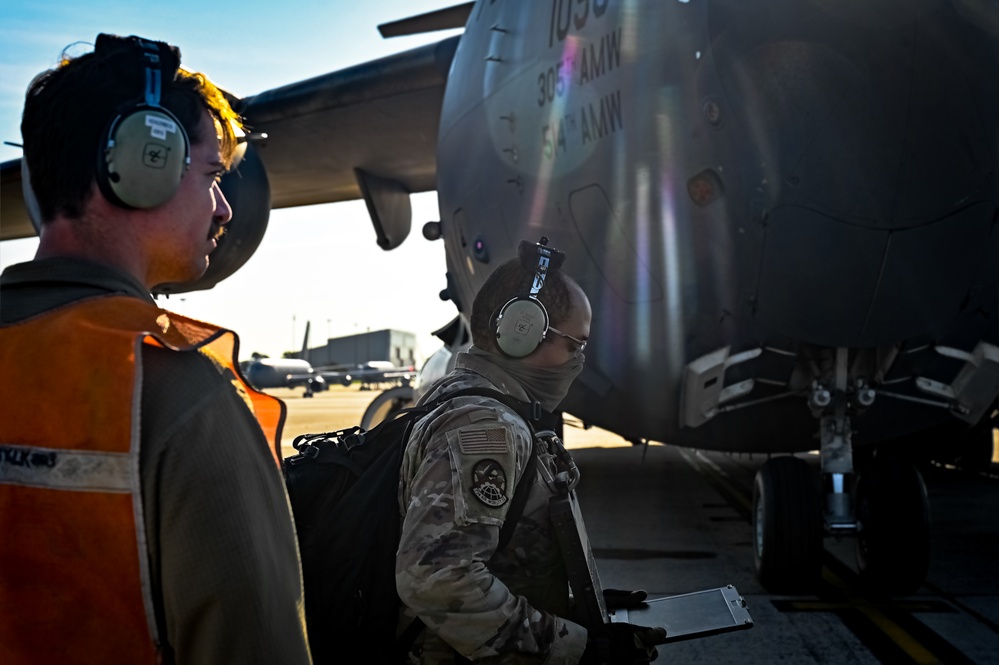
52	468
138	511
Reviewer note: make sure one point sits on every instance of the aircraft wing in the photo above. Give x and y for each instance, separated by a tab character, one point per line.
380	117
14	220
346	377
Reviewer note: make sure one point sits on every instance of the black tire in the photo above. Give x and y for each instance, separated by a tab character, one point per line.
893	526
787	526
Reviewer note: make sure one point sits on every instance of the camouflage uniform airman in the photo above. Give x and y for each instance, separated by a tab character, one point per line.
459	472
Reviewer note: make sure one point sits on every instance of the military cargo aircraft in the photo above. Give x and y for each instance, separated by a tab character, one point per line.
785	213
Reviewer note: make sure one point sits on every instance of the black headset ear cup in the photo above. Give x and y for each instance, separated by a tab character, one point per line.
146	152
521	326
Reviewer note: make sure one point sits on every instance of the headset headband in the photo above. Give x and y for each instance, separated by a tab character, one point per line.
541	259
154	73
544	258
522	323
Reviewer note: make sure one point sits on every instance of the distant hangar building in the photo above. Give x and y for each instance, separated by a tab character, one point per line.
395	346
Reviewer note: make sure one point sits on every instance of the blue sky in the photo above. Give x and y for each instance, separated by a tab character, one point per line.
318	263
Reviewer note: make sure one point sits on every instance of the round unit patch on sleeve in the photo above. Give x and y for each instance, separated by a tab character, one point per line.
489	483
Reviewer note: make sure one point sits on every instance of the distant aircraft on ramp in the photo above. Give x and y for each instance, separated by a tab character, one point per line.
265	373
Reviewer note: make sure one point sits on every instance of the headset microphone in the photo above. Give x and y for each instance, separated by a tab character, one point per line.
145	150
522	323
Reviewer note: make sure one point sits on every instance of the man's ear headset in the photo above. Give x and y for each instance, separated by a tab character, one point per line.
522	323
145	149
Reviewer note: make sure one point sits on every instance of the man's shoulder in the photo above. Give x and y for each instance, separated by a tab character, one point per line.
470	390
167	363
36	287
183	380
484	406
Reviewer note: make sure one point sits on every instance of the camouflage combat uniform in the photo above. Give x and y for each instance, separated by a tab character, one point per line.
459	472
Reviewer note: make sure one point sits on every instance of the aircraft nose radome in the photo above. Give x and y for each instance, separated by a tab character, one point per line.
905	142
877	127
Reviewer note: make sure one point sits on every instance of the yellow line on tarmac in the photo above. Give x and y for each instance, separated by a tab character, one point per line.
909	644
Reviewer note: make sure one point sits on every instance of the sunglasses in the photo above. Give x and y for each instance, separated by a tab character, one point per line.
580	342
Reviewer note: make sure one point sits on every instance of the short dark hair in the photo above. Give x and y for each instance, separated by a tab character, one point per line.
509	280
68	109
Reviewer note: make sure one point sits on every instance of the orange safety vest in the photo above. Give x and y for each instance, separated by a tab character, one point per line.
74	571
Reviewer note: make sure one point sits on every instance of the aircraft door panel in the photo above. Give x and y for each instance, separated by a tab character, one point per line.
619	258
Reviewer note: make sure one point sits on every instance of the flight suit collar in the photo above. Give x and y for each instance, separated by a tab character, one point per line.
78	272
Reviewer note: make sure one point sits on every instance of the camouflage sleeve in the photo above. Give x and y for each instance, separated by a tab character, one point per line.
457	499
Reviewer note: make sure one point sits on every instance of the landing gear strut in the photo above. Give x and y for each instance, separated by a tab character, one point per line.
887	510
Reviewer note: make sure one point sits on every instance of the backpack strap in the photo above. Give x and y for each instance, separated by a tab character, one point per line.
516	510
531	412
533	415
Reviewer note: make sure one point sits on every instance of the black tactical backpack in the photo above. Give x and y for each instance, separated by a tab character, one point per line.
343	488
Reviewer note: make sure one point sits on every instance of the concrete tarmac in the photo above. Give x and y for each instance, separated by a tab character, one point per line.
672	521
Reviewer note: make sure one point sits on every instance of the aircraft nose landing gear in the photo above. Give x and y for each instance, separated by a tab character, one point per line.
887	509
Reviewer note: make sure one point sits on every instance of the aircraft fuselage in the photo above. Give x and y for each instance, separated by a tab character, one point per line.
763	201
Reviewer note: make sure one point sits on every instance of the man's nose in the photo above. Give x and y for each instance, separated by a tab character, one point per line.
223	211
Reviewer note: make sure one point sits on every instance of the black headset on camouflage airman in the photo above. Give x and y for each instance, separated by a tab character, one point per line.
522	323
145	150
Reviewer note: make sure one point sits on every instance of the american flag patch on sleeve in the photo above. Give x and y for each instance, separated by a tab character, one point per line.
482	441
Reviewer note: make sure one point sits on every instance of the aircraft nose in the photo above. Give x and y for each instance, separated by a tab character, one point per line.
876	146
878	123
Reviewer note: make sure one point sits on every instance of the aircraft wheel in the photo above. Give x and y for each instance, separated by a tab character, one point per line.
386	404
787	526
893	526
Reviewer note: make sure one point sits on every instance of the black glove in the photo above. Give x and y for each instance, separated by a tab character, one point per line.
622	644
618	599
